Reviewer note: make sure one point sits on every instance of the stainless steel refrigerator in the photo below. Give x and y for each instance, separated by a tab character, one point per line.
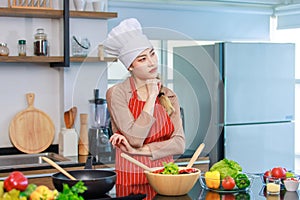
255	96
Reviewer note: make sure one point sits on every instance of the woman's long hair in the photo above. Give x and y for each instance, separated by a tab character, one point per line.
164	100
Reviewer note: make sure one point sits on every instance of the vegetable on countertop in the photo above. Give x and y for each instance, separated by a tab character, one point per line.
212	179
228	183
242	181
42	192
226	167
72	193
30	188
16	180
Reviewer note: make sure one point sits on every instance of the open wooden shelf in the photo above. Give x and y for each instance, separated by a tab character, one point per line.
43	13
52	59
55	61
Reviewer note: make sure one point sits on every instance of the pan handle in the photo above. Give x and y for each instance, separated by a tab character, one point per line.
89	162
58	167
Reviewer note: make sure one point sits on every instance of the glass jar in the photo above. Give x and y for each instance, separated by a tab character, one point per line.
22	47
4	51
40	43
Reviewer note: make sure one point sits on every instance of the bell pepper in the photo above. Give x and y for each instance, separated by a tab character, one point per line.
242	181
30	188
16	180
42	192
212	179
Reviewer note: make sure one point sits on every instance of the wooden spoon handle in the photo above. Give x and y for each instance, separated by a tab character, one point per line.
196	154
134	161
58	167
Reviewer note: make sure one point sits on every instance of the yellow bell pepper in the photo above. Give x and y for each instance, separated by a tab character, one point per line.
42	192
212	179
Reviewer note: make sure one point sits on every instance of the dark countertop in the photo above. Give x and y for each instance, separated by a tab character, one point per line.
257	192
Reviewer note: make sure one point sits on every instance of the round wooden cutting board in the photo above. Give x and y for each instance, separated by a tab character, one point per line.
31	130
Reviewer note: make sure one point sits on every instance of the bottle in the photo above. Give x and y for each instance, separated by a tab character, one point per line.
68	142
40	43
4	51
22	47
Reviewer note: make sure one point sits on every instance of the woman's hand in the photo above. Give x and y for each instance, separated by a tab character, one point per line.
119	141
153	87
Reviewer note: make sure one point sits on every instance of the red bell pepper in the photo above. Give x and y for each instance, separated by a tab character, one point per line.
16	180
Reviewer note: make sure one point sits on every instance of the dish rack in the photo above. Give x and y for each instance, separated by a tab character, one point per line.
32	4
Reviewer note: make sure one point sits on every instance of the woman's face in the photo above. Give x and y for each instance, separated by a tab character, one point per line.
145	65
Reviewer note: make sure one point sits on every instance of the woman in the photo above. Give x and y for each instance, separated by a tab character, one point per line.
145	115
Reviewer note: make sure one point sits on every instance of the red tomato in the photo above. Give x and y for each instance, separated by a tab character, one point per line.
187	171
267	174
278	172
228	183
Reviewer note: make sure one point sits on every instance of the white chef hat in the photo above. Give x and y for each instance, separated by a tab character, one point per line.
126	41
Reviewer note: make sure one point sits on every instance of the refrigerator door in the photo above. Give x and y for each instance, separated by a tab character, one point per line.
259	82
260	147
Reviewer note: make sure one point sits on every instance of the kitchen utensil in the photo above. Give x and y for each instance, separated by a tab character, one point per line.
172	185
69	117
58	167
31	130
99	132
195	155
83	143
134	161
98	182
166	184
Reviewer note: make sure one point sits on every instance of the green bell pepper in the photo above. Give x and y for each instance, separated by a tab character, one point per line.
242	181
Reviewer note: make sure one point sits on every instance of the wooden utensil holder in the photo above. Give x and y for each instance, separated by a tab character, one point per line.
31	4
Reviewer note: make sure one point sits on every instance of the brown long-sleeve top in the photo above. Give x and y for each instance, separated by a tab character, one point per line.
136	130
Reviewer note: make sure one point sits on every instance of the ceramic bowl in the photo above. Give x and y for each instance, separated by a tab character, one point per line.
172	185
291	185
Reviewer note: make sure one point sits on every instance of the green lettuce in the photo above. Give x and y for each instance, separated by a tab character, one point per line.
226	167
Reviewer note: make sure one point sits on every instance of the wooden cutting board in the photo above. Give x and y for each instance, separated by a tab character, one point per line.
31	130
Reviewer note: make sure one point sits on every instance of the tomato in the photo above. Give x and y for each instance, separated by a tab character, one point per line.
278	172
187	171
228	183
158	171
267	174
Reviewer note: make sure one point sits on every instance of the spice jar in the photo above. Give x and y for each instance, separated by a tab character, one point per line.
4	51
22	47
40	43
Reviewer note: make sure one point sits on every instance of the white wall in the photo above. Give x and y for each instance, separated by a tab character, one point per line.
56	89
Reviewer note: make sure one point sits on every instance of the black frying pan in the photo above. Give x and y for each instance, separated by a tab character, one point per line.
98	182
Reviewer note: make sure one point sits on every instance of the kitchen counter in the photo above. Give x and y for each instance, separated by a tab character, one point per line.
41	173
257	192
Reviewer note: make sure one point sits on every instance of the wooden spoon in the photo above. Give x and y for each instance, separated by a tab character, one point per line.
74	113
196	154
134	161
58	168
69	117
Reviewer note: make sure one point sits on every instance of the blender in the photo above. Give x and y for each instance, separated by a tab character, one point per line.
99	132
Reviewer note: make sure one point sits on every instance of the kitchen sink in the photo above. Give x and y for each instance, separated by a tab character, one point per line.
29	160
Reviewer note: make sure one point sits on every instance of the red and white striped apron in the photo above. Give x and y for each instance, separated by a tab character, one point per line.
162	129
